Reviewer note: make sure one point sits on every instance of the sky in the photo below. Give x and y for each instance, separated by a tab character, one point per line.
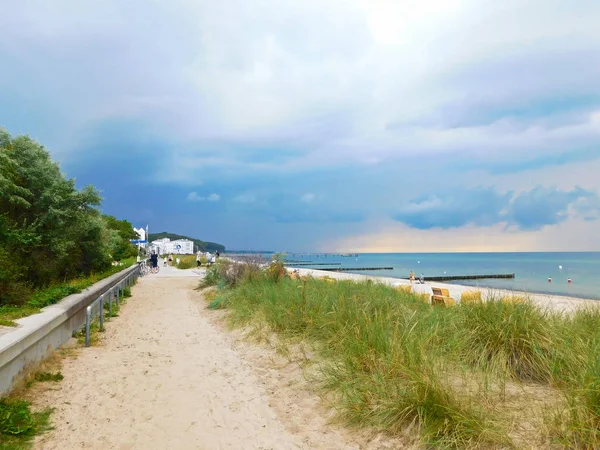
320	125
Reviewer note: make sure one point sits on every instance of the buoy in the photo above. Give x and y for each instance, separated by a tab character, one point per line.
559	267
549	279
569	280
418	262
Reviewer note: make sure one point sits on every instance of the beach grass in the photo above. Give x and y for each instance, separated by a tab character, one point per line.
462	376
186	261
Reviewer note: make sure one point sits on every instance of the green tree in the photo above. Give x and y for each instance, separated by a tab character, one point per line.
49	229
120	234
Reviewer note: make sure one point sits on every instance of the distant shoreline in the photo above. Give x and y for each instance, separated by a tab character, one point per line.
559	303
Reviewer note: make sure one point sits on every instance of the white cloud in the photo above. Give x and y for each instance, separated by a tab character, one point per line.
194	197
308	198
329	75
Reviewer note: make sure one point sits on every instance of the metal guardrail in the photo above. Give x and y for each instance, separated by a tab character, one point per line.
112	295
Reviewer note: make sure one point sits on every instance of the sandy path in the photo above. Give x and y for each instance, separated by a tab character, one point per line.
164	377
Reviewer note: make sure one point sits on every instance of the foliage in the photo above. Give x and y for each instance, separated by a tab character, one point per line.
200	245
120	234
18	424
50	230
54	293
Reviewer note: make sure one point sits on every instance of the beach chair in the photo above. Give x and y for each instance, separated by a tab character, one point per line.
441	297
470	297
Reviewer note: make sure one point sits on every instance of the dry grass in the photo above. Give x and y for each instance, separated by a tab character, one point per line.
470	297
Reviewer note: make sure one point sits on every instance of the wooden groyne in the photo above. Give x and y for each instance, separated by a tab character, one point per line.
357	269
468	277
313	264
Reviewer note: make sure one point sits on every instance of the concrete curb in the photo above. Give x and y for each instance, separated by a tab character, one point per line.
39	335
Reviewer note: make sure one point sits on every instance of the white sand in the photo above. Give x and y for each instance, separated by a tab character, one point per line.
553	302
164	377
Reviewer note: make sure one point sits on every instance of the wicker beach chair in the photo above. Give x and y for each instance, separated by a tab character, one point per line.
441	297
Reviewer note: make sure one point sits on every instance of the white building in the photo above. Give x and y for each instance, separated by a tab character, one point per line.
166	246
141	233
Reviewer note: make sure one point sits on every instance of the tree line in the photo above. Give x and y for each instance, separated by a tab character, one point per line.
50	231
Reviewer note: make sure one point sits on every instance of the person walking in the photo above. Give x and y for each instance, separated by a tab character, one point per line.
154	259
411	278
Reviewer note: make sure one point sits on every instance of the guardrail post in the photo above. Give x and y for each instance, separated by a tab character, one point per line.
102	313
110	302
88	319
117	295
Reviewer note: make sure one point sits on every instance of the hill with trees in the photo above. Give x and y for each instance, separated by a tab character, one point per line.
199	245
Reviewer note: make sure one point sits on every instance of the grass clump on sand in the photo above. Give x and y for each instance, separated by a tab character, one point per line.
576	423
186	261
510	337
459	374
19	425
42	377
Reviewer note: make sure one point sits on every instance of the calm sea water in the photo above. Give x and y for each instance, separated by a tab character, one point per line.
531	269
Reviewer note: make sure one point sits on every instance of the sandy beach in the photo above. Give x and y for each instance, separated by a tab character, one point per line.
553	302
165	375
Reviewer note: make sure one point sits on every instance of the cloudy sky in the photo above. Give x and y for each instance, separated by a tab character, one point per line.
366	125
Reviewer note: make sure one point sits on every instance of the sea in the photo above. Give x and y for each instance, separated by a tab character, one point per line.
532	270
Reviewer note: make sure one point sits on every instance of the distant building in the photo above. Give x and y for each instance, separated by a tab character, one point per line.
179	247
141	233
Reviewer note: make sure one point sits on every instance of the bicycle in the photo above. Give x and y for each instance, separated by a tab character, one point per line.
144	269
155	269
